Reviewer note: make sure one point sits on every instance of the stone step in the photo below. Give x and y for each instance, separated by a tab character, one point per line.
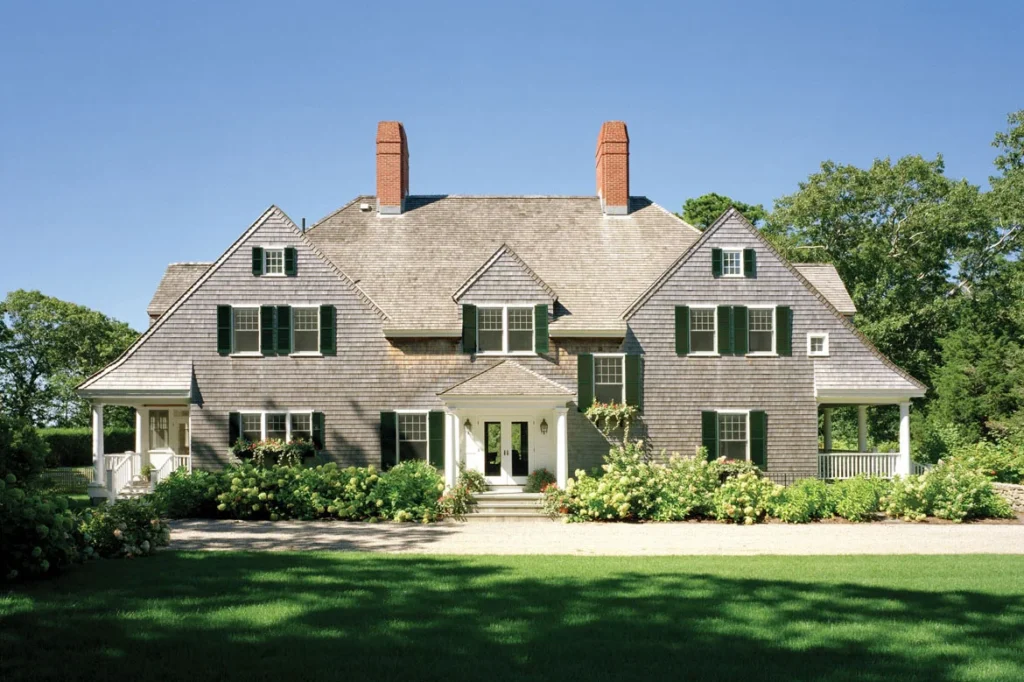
507	515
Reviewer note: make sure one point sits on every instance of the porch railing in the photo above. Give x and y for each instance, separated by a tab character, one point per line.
840	465
120	471
168	467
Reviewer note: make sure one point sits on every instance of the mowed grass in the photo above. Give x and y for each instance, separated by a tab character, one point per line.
303	616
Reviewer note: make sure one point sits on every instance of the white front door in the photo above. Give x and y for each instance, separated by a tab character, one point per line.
506	449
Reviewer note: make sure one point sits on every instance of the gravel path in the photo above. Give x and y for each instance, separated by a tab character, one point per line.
601	539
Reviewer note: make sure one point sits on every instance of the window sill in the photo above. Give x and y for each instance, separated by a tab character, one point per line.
306	354
246	355
273	274
703	355
498	353
762	355
817	355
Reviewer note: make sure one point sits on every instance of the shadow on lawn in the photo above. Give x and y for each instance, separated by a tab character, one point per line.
357	617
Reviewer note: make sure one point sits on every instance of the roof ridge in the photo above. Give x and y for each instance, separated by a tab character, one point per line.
191	262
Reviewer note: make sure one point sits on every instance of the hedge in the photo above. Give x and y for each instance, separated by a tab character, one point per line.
72	447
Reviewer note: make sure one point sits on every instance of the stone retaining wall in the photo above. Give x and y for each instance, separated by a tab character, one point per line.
1014	494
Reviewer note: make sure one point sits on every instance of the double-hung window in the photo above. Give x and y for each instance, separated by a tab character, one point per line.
277	426
245	330
732	262
273	261
761	331
609	386
302	426
252	426
702	330
286	426
412	436
732	435
306	330
505	329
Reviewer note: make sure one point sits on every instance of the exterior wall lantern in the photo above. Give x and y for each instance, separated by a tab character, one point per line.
543	426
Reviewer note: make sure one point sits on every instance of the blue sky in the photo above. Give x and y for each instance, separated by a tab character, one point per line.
138	134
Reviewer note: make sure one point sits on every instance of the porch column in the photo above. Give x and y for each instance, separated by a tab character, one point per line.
826	428
98	487
450	438
862	428
903	467
561	446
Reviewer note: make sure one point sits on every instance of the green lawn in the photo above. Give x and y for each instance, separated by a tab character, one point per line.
354	617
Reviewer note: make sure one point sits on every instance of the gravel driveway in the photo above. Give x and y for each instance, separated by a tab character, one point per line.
601	539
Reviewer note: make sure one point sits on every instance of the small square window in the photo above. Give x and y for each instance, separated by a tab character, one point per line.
702	330
306	335
274	261
732	263
817	344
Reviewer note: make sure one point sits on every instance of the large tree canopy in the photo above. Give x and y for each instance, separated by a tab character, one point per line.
702	211
47	347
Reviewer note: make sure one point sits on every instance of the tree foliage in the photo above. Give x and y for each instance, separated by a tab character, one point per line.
704	210
47	347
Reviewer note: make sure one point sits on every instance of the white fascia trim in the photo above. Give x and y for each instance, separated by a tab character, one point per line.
867	396
505	401
137	394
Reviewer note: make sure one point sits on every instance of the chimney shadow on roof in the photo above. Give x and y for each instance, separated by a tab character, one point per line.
415	201
637	203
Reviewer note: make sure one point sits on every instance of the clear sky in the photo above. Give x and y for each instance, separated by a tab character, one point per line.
137	134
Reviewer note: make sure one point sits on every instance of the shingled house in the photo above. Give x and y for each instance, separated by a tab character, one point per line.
477	329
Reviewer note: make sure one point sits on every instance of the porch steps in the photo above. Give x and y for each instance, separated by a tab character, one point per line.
134	490
507	505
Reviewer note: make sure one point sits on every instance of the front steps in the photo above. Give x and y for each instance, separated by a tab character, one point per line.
507	504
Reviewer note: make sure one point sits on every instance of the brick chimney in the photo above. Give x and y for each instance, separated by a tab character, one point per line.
392	167
613	168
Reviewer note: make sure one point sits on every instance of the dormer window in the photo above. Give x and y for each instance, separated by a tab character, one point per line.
505	329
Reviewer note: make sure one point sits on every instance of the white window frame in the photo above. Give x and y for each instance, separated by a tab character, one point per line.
504	329
718	435
775	332
398	433
622	357
259	331
733	249
816	335
713	353
306	353
266	252
288	421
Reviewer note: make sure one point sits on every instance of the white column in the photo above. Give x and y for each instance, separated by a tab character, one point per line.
903	467
862	428
450	436
138	430
826	428
561	446
98	487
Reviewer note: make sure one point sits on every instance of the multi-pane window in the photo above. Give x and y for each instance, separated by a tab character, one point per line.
274	261
277	426
761	330
412	437
252	426
608	385
159	429
732	435
246	326
306	334
520	329
302	427
702	330
817	344
732	263
490	330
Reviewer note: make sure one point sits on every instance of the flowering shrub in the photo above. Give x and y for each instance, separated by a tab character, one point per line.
908	498
745	498
688	487
38	533
538	480
183	495
805	500
1002	462
409	491
859	498
126	528
273	451
611	416
472	479
952	490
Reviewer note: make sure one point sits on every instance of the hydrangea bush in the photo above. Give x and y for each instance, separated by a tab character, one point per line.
38	532
126	528
951	490
688	487
745	498
805	500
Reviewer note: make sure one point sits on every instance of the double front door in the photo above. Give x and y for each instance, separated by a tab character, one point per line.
506	451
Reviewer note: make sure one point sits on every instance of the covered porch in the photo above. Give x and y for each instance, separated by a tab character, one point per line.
853	459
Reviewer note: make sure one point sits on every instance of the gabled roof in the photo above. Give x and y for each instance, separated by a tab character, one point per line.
507	378
271	212
176	280
503	250
733	213
412	263
825	278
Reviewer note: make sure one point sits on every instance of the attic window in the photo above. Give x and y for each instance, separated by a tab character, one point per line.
732	263
274	261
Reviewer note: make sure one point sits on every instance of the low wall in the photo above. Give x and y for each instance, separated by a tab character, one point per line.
1014	494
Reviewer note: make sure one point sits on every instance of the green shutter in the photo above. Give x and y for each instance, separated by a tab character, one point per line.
328	330
716	262
633	376
709	433
784	330
740	326
682	330
318	430
290	261
388	440
585	380
759	438
257	261
234	428
224	329
468	328
435	445
749	263
268	330
284	330
540	328
725	330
